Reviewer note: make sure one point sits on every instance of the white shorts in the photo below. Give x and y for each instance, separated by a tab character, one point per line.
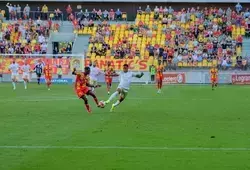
93	82
26	76
14	75
123	89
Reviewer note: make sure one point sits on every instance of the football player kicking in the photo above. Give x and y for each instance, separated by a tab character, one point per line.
123	87
82	87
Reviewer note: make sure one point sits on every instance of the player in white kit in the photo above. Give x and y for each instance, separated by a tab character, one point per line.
94	73
123	87
26	73
14	69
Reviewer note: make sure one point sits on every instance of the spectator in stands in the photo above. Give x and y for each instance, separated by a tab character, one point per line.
147	10
238	7
26	12
38	13
55	51
69	49
239	62
80	15
139	10
45	11
99	14
68	10
86	14
111	15
106	15
10	8
118	14
18	10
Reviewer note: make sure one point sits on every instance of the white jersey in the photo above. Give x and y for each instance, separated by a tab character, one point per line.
26	69
94	72
125	80
14	68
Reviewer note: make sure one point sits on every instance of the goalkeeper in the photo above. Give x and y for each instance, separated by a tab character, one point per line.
123	87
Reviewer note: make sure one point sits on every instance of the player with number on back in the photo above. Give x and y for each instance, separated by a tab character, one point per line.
82	87
159	77
109	71
123	87
48	74
214	76
26	73
14	68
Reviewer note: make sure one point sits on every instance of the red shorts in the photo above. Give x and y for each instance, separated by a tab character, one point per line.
213	79
82	91
48	78
159	78
109	80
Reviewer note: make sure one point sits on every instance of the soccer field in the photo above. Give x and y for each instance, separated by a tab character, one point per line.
184	128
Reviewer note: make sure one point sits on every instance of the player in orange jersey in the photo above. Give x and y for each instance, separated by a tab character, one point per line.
109	71
159	77
214	77
48	74
82	87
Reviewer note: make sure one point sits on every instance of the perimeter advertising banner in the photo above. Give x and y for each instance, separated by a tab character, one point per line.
134	65
241	79
59	81
55	62
174	78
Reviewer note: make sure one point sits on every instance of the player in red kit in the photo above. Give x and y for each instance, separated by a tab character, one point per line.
48	74
109	72
82	87
159	77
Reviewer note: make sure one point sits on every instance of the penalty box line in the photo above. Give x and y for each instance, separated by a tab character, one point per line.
126	148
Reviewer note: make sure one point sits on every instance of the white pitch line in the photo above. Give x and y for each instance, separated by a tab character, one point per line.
126	148
64	98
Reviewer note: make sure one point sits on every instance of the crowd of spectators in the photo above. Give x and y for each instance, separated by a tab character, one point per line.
25	37
189	36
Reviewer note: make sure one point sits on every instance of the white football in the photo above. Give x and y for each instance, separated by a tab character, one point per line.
102	104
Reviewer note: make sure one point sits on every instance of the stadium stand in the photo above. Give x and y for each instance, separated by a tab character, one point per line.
190	37
26	37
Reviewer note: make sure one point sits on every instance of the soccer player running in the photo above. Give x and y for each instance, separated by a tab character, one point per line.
38	70
109	71
48	74
159	77
123	87
14	68
214	76
26	73
94	73
82	87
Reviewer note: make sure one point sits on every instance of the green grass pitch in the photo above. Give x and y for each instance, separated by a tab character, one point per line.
184	128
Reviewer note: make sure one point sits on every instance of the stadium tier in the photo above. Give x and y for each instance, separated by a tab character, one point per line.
26	37
187	38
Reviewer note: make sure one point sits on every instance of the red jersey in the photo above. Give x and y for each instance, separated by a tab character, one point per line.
81	81
214	73
48	71
160	72
108	71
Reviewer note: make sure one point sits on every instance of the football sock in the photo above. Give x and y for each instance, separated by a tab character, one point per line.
88	107
96	101
25	84
117	103
113	96
14	85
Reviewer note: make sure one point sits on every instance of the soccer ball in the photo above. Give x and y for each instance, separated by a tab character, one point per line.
102	104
